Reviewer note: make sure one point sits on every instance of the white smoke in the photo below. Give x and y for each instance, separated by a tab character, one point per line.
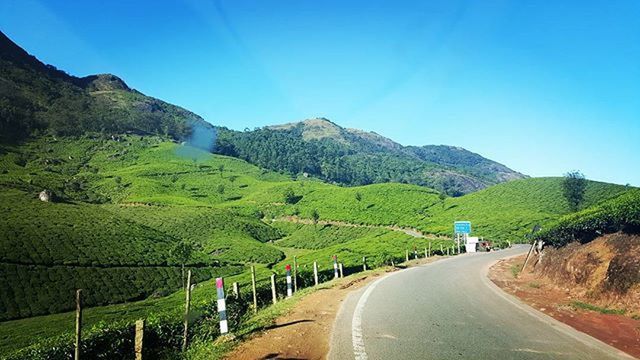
200	143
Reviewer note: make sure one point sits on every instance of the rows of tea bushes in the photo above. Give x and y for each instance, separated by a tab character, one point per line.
505	211
126	201
163	329
31	290
314	237
34	232
223	234
618	214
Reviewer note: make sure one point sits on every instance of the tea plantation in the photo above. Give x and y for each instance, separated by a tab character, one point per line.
621	213
122	205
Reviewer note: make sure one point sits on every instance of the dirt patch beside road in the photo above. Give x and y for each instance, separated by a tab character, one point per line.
574	308
304	332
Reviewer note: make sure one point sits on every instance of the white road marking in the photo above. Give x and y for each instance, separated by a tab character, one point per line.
357	337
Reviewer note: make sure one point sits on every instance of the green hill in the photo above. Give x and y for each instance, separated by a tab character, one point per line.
621	213
37	98
505	211
122	204
353	157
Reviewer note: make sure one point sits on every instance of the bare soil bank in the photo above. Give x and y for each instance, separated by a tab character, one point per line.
604	272
595	287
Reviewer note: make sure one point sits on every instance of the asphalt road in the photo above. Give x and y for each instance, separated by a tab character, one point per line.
450	310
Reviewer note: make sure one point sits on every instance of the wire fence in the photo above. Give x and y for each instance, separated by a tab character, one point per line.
164	333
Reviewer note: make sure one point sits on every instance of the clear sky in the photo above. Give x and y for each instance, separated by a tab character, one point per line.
542	86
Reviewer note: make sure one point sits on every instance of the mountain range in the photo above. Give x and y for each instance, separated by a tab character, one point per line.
36	99
319	147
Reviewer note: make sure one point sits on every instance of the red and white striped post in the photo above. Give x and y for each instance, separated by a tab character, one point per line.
222	306
289	290
335	267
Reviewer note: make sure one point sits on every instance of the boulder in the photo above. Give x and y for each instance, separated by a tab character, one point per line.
46	195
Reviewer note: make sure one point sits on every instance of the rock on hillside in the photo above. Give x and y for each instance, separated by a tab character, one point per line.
103	82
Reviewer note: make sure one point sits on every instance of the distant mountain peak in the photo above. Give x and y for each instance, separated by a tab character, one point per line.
348	156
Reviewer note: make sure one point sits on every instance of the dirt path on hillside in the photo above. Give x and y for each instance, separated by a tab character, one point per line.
621	332
411	232
305	332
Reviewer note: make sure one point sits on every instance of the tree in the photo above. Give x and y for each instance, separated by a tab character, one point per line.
221	169
573	189
183	252
290	196
220	189
442	197
315	216
358	196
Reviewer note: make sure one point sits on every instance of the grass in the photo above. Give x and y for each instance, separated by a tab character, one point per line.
515	270
585	306
254	323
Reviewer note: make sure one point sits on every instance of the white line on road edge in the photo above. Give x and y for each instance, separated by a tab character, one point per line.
356	322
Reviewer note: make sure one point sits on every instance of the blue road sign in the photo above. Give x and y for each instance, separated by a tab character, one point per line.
462	227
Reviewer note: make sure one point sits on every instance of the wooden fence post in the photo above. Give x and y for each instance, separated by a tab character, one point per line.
78	341
406	255
364	263
236	290
340	268
253	288
187	305
139	339
295	274
441	251
429	249
315	272
526	260
274	294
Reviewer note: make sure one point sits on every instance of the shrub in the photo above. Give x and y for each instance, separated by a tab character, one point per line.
619	214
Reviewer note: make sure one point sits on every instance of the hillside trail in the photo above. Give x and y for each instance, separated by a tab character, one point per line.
409	231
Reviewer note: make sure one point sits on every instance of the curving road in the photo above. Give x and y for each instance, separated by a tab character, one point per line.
450	310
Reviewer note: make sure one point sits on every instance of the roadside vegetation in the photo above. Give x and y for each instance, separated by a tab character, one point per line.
621	213
586	306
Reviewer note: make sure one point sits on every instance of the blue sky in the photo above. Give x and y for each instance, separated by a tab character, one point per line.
542	86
